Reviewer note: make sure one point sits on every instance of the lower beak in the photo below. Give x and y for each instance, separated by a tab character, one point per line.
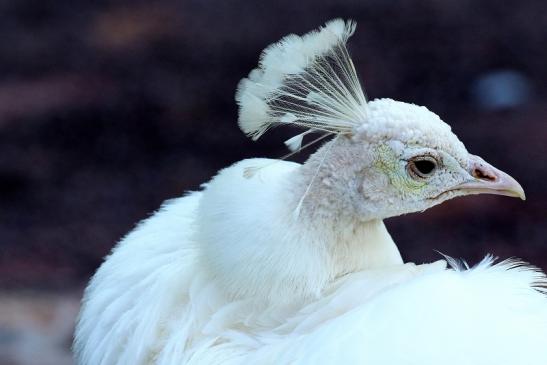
489	180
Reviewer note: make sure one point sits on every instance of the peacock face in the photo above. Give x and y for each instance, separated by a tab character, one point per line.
417	162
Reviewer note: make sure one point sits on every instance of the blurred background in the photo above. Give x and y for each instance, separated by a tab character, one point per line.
107	108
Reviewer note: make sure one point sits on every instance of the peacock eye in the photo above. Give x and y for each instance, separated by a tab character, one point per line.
422	167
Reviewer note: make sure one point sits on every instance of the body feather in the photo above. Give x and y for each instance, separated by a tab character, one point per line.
153	302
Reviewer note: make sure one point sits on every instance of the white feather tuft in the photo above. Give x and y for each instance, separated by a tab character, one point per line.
308	81
295	143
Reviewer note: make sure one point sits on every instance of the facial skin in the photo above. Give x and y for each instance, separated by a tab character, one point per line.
422	177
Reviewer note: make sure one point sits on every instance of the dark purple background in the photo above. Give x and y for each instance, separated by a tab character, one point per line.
107	108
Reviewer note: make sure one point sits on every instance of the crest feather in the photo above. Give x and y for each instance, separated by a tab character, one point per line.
307	81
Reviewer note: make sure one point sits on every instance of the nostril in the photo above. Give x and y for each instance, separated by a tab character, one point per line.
483	175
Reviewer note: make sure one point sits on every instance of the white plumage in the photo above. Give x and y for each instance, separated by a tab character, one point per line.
231	275
309	81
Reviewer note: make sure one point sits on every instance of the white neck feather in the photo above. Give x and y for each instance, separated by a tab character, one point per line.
297	257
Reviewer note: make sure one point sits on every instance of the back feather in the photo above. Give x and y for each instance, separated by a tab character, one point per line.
308	81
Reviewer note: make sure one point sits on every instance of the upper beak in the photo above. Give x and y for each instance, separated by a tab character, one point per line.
489	180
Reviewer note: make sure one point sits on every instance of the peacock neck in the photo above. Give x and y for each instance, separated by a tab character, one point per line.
352	246
281	256
327	213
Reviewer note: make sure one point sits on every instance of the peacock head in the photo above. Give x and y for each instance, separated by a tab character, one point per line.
399	156
411	160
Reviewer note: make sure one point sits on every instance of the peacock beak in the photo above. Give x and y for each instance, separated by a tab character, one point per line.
486	179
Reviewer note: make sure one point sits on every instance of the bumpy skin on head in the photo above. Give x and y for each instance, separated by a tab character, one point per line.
411	124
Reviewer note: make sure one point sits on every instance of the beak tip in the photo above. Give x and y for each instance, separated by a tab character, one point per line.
518	190
490	180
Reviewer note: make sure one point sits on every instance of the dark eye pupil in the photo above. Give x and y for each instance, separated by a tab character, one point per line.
424	166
